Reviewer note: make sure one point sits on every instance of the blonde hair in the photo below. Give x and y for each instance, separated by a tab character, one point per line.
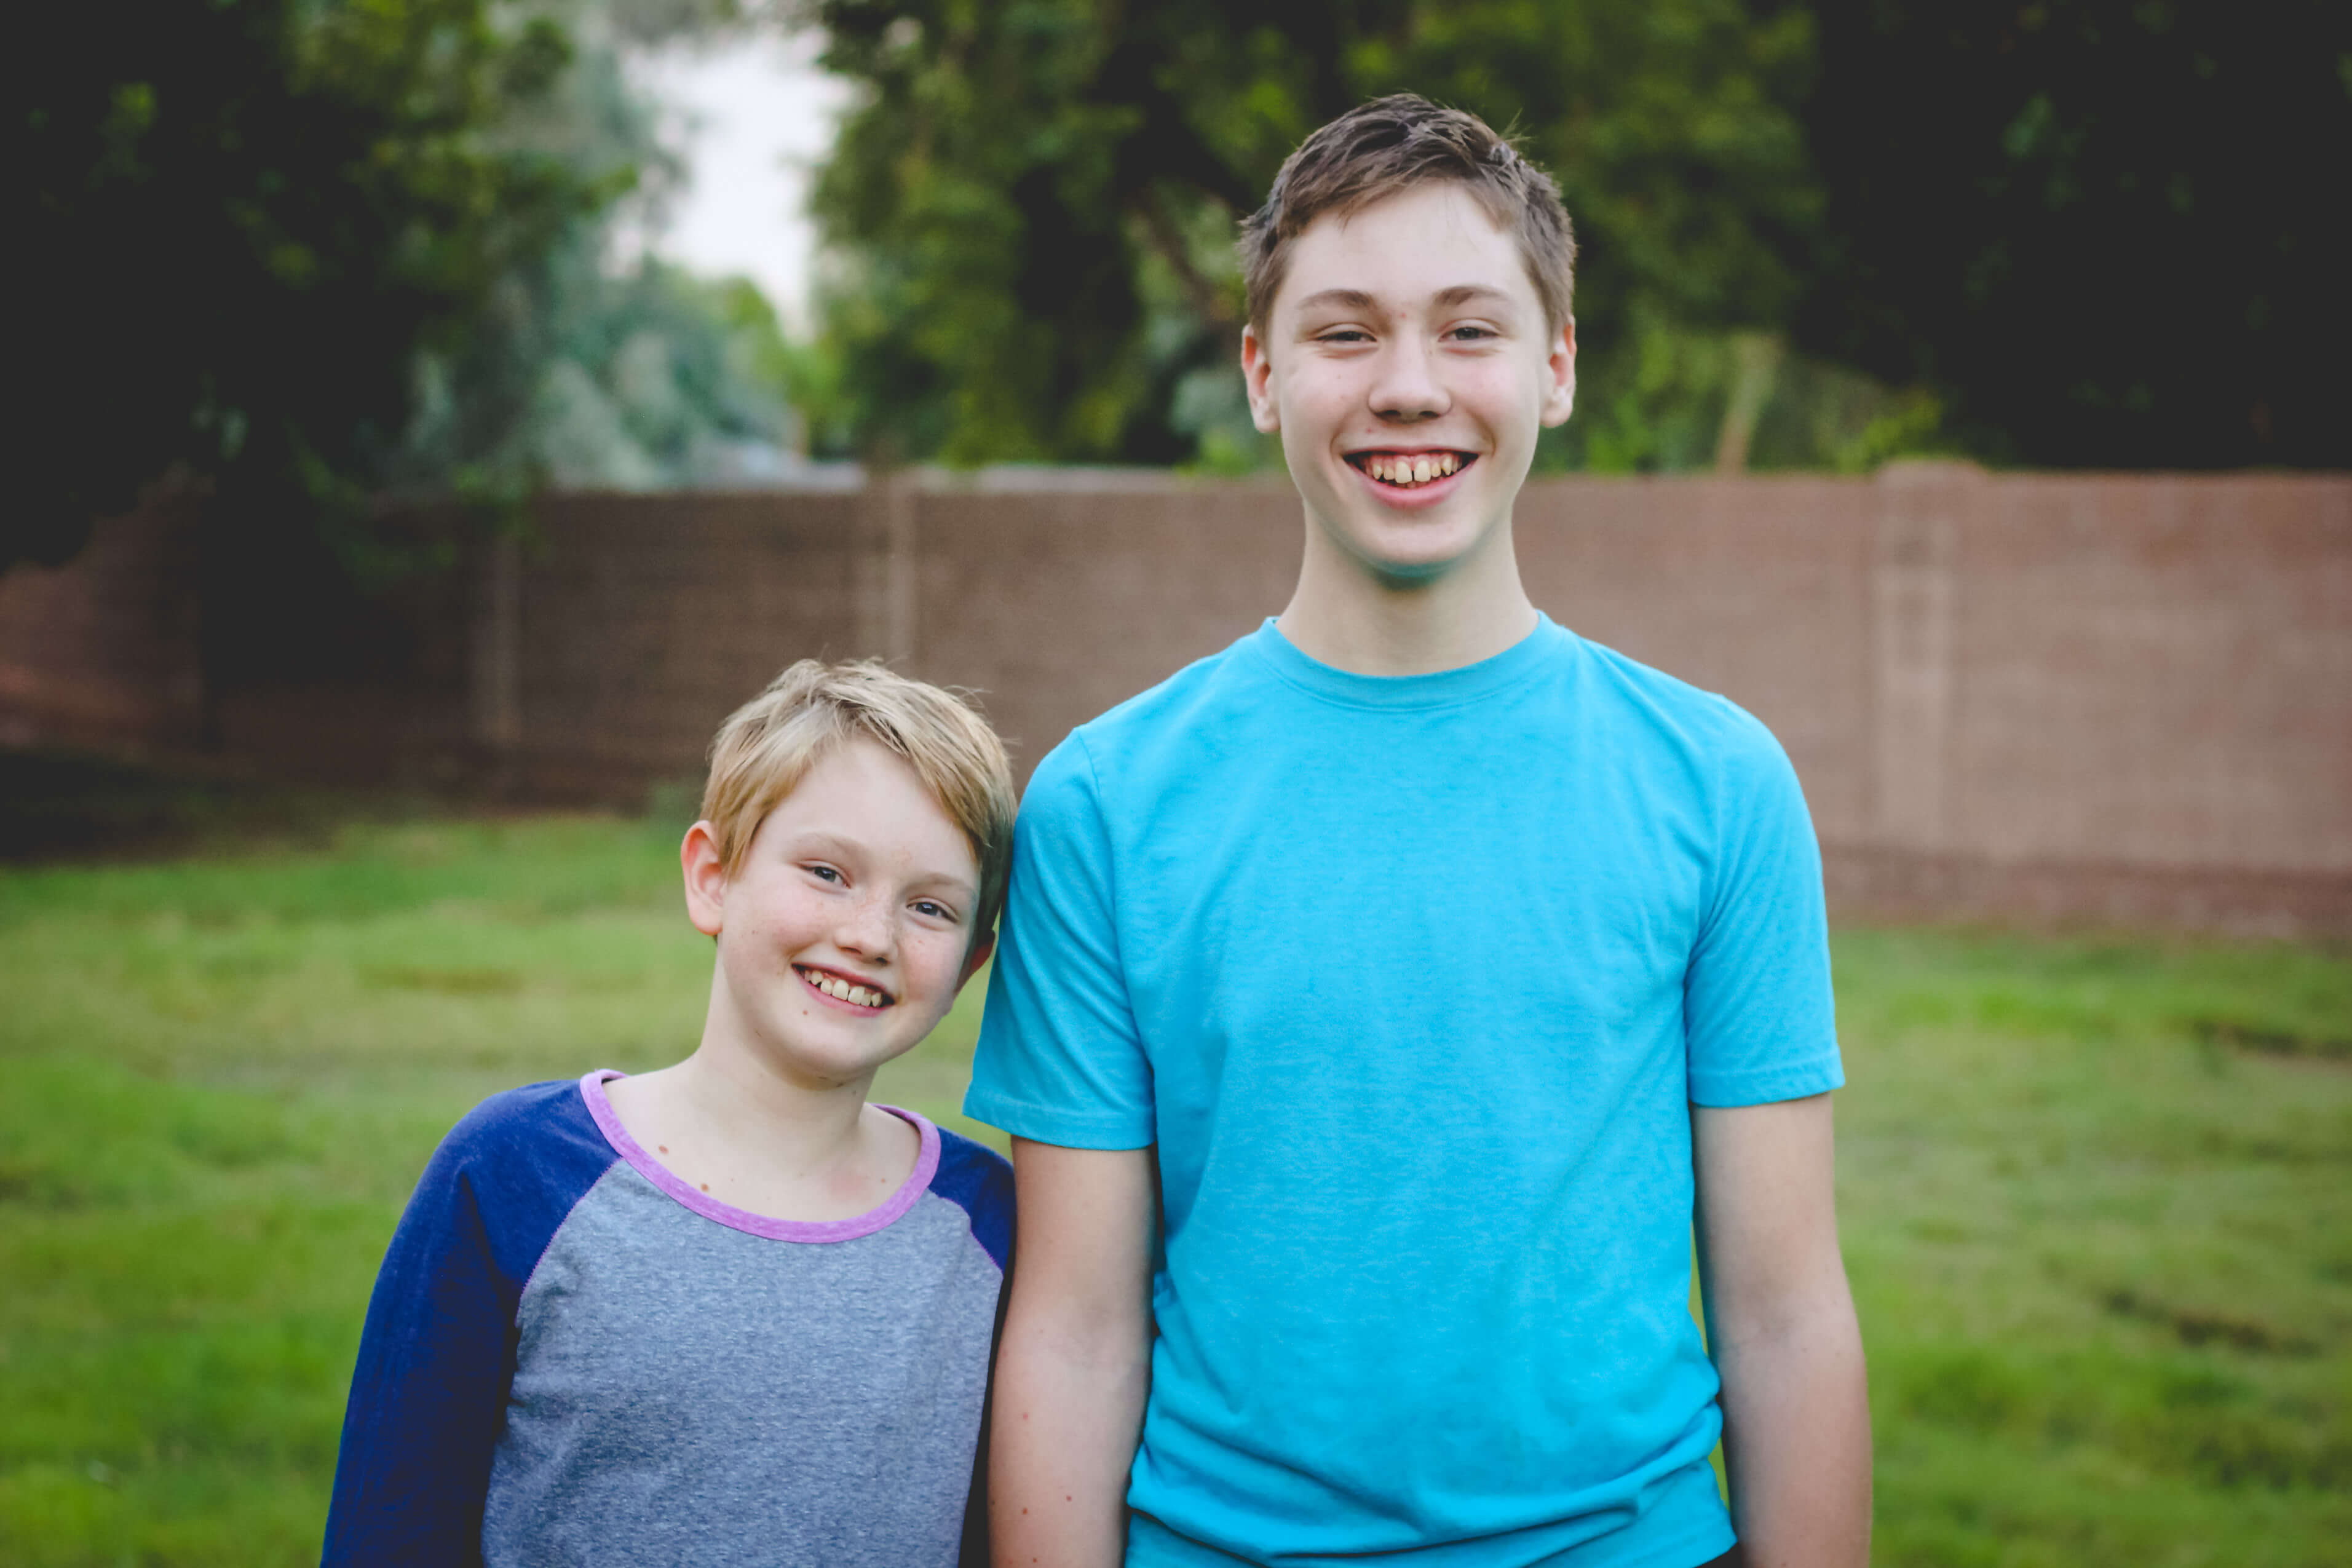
767	746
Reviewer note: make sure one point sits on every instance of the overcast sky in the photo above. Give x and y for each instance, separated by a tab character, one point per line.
758	115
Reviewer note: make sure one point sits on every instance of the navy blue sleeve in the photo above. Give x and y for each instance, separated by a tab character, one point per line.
978	1180
436	1358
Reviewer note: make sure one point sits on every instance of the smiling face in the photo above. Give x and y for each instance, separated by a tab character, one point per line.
849	927
1408	364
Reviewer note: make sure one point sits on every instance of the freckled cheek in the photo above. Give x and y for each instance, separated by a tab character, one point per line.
1324	401
932	972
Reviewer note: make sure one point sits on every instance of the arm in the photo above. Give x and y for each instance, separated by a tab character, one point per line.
1781	1325
1076	1357
428	1393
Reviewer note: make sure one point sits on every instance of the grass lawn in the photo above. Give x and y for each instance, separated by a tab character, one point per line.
2095	1192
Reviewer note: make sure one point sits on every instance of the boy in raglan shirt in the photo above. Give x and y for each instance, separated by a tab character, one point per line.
728	1312
1383	1000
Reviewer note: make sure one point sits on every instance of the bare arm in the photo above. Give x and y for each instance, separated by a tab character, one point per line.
1781	1326
1075	1361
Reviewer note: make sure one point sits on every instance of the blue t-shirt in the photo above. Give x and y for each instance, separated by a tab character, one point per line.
1412	983
574	1356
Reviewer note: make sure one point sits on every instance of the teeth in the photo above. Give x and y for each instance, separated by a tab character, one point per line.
1414	471
843	989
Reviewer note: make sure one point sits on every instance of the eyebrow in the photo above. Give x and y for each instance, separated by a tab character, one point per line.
1462	293
1357	299
1346	298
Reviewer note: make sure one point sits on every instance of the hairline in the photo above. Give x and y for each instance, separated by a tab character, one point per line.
765	749
812	759
1488	201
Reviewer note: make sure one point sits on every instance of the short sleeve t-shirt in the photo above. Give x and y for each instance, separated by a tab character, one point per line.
1413	982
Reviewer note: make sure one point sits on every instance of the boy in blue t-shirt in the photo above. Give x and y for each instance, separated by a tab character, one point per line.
1382	999
728	1312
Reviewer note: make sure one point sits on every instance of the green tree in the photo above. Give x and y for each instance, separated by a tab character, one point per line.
2113	232
573	373
1031	213
245	218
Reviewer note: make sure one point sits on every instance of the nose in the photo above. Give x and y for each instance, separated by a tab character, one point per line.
1406	387
866	927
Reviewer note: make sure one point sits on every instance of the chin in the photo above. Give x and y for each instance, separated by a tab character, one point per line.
1410	555
812	1062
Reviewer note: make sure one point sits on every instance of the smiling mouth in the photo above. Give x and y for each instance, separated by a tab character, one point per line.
1408	471
842	990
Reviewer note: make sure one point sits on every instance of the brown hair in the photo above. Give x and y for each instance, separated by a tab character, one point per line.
767	746
1380	148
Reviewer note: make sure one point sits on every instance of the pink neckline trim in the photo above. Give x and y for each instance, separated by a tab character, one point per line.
927	1166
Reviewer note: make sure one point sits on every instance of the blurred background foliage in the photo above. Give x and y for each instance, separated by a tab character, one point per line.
318	254
327	254
1032	211
2065	232
583	366
2109	232
246	218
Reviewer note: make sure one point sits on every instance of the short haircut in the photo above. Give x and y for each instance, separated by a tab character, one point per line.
767	746
1380	148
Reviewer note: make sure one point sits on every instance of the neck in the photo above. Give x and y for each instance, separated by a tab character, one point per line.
1352	617
802	1127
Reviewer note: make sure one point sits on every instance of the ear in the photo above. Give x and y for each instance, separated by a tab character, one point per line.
1258	371
706	879
1560	376
981	946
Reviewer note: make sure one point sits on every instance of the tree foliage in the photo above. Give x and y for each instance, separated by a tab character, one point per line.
1032	211
244	216
580	372
2064	232
315	253
2115	231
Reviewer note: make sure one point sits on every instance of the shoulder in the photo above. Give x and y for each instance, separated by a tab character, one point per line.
979	1181
1173	713
1720	743
521	1159
1704	716
1142	738
537	1122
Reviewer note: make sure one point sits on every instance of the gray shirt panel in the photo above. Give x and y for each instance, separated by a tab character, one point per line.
687	1393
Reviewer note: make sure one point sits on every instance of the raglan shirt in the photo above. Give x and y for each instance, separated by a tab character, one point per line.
1412	985
575	1357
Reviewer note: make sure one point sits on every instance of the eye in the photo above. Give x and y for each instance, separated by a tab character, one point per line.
1468	335
824	873
931	908
1344	335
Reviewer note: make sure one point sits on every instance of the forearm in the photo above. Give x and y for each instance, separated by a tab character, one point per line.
1780	1325
1796	1437
1068	1408
1076	1360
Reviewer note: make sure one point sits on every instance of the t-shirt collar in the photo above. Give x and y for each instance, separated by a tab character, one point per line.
1443	689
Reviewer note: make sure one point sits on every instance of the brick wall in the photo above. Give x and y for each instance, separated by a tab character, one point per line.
2121	697
101	652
